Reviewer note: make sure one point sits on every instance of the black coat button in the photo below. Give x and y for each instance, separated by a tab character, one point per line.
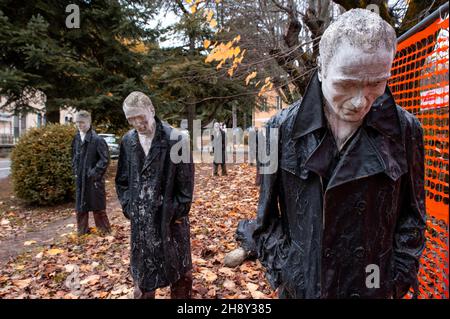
359	252
360	207
328	253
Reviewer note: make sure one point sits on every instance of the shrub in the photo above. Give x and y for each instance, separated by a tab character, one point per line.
41	166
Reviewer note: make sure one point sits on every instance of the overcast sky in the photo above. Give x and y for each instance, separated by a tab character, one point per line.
166	20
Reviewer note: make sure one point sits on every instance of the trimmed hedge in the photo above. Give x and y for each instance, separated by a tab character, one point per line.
41	166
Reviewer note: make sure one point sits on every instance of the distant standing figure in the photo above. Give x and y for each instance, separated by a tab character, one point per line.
218	142
90	159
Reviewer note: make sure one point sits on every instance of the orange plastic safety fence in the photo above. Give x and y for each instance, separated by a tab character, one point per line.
420	84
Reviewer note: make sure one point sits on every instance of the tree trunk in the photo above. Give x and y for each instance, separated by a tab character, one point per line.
234	114
417	10
191	118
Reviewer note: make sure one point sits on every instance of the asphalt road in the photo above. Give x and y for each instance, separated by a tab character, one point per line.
5	168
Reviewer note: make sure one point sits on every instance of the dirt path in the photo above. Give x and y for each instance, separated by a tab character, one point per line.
11	248
22	238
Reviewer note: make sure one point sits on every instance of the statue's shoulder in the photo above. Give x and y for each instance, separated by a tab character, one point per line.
127	137
95	136
408	122
284	116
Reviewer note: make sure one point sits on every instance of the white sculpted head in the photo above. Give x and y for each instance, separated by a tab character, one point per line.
83	121
356	54
140	113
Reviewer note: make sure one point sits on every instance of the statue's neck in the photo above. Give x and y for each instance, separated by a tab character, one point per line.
342	130
150	134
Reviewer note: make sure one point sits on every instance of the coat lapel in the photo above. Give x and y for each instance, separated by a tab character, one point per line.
153	152
319	158
361	159
87	138
383	122
137	151
158	146
305	140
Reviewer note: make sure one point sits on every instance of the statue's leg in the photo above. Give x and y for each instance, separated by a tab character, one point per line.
224	169
182	289
102	221
142	294
82	223
283	293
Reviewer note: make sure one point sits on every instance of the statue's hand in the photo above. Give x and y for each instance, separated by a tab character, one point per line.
91	173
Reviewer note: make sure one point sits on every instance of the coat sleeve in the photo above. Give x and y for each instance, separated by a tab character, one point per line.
184	186
122	180
409	239
269	237
103	159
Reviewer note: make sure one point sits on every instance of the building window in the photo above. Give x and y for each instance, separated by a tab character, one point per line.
23	124
39	120
278	102
264	106
16	126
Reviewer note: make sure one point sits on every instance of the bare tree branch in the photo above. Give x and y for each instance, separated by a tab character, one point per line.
279	5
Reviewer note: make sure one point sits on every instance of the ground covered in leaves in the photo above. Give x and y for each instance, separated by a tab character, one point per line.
98	267
17	219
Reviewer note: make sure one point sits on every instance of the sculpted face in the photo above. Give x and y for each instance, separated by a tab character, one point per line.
83	124
143	120
354	79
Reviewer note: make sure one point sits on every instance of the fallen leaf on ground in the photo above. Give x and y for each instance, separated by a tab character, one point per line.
39	256
70	267
226	271
208	275
22	283
252	287
258	295
230	285
54	251
91	280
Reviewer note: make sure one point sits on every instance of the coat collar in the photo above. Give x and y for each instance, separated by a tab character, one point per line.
87	137
310	115
384	118
382	115
377	147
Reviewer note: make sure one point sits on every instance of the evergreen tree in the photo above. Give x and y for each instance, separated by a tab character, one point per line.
93	67
113	53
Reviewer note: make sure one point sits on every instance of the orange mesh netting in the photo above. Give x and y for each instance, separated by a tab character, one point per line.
419	83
